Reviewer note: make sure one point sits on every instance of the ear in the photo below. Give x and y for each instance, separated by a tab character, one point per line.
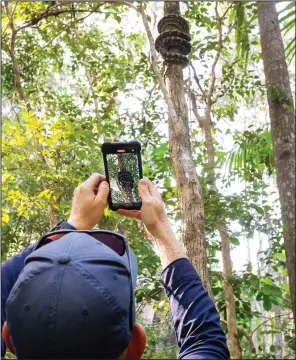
136	347
7	338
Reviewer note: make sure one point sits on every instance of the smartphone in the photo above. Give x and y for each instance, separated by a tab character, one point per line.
123	169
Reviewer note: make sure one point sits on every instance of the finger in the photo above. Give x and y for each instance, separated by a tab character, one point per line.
130	213
143	190
94	181
103	192
151	187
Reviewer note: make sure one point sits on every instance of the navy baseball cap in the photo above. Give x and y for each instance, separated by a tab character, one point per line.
73	300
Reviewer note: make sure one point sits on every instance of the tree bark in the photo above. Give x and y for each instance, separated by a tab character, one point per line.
53	215
189	189
282	119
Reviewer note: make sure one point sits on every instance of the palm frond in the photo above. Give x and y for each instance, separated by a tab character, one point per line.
241	36
252	154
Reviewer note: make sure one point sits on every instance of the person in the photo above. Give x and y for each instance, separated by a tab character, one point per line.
68	298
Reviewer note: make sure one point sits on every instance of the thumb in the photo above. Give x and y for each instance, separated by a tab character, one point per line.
143	189
103	192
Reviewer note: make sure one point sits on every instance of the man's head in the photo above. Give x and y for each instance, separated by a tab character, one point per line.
74	299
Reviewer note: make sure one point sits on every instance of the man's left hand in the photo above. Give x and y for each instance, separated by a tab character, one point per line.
89	202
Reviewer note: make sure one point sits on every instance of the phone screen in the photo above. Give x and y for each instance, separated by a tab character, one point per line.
124	175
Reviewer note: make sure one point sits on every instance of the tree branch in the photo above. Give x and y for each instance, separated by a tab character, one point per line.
13	11
273	317
46	14
15	65
199	118
198	82
213	70
245	334
229	7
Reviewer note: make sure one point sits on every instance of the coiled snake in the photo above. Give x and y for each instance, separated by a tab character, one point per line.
173	43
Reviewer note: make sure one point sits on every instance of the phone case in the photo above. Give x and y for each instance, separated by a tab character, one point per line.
106	147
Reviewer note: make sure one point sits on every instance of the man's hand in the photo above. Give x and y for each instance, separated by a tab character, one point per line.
156	222
89	202
152	212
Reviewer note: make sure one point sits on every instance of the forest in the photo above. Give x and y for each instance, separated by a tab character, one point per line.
212	105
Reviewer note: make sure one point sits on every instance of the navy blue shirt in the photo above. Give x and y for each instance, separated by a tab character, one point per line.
195	318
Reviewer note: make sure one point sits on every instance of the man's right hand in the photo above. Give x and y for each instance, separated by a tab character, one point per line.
152	212
156	222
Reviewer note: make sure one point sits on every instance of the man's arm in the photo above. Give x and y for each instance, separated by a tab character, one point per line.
195	318
10	271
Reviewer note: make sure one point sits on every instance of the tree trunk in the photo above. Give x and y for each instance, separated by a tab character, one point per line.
189	189
281	111
278	344
253	304
235	349
205	123
126	191
254	325
53	215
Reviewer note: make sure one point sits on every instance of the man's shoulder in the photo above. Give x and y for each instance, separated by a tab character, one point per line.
14	265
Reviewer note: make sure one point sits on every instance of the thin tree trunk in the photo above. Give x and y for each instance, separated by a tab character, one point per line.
235	349
253	305
265	341
253	325
281	111
126	191
53	215
278	340
189	189
206	126
278	344
258	305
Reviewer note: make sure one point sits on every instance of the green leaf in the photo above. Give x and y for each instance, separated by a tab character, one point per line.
232	279
254	281
259	296
267	304
271	290
285	287
117	18
280	255
234	240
